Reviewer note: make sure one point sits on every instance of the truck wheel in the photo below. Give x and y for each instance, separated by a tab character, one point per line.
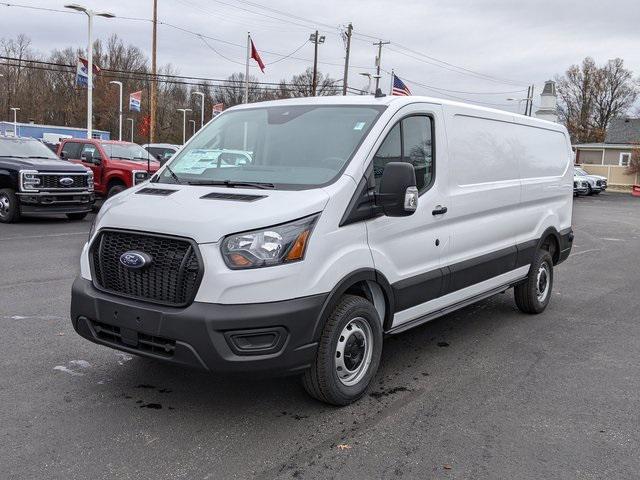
9	206
533	295
77	216
115	190
589	190
348	354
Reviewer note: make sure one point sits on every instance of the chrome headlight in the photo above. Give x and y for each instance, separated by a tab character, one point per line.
284	243
29	180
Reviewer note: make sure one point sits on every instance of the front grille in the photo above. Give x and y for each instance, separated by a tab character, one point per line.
145	343
171	278
51	181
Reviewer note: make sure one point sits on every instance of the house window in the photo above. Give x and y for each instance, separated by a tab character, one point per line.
625	158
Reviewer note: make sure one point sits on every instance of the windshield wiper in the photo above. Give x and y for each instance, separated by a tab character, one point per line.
232	184
37	156
173	175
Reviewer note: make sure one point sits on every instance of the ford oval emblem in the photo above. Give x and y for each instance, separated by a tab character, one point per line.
66	181
133	259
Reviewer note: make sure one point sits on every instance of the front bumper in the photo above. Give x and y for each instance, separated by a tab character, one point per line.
276	338
56	202
580	191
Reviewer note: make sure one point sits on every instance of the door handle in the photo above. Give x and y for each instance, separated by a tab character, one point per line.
439	210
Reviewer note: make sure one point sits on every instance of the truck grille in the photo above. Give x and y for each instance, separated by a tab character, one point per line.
51	181
171	278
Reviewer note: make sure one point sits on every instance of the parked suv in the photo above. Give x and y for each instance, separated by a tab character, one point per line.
33	180
115	165
595	183
580	185
351	219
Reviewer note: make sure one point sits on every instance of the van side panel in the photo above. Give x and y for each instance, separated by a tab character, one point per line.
484	190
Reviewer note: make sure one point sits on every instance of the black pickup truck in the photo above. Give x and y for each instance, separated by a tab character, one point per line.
33	180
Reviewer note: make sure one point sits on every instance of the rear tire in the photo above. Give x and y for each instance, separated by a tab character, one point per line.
9	206
533	295
348	353
77	216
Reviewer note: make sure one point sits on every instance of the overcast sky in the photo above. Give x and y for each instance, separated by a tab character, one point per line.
517	41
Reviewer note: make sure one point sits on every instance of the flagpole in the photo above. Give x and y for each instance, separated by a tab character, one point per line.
246	71
90	79
391	86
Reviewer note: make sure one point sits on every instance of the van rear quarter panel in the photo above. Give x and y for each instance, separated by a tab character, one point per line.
509	180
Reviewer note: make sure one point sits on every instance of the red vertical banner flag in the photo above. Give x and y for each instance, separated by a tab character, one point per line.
256	56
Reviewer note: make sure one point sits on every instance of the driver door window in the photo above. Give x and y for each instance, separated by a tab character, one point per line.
408	141
90	151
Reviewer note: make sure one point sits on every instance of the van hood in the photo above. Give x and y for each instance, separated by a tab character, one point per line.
186	213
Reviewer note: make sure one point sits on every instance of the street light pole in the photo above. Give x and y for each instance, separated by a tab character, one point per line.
201	107
131	120
193	123
15	120
184	123
116	82
90	14
316	39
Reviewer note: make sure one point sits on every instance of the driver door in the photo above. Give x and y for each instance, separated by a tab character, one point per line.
410	251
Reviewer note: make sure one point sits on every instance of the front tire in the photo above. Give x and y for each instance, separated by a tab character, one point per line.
348	354
9	206
116	189
533	295
589	190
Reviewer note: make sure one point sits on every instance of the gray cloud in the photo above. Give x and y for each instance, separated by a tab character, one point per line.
524	41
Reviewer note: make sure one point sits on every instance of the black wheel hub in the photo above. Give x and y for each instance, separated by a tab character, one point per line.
354	352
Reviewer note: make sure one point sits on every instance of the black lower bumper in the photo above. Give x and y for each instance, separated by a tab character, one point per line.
270	338
56	203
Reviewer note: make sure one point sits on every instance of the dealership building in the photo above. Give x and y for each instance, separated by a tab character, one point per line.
47	132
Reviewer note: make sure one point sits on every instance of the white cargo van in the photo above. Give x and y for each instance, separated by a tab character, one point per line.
355	218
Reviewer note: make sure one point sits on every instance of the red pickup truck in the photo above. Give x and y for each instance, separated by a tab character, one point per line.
116	165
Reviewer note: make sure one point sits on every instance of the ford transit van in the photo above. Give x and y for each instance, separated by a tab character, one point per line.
350	219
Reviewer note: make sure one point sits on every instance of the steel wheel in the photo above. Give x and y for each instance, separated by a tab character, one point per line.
354	351
542	282
5	205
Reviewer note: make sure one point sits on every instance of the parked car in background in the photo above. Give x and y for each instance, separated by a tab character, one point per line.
116	165
33	180
580	186
162	151
595	183
334	223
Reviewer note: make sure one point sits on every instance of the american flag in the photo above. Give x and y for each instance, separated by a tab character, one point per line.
399	88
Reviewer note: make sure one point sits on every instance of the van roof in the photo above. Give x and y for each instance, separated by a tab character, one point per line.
396	101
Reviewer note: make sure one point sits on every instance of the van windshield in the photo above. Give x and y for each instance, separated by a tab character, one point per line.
287	147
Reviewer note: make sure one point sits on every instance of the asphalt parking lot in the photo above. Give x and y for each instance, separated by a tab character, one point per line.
485	392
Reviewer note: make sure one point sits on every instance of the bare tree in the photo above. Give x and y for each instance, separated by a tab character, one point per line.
590	96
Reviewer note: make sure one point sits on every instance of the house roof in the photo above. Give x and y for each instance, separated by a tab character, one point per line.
623	130
600	146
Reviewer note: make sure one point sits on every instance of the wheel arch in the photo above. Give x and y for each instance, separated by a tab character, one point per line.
367	283
550	241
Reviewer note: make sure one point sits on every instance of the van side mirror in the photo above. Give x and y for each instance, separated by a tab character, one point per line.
87	157
398	195
61	155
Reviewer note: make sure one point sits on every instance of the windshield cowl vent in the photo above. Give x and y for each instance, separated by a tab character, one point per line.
162	192
238	197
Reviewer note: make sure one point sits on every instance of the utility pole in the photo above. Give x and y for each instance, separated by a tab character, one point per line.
378	61
346	59
316	39
153	100
119	84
